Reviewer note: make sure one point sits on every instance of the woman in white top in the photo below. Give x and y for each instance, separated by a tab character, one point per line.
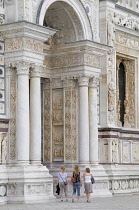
62	179
87	184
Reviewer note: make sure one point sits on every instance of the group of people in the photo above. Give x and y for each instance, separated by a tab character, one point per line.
62	180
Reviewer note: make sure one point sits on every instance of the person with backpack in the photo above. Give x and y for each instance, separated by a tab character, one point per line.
76	183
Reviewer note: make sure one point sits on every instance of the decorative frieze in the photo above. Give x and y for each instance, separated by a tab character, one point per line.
126	41
17	44
124	184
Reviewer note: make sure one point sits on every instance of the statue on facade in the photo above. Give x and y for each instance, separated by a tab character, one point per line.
110	31
111	96
3	147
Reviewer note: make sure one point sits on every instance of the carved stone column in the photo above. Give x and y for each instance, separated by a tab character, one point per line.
83	120
35	116
93	124
22	126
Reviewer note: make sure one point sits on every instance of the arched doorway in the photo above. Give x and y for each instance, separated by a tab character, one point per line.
60	104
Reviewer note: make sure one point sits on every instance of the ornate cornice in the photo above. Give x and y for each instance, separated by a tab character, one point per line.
26	29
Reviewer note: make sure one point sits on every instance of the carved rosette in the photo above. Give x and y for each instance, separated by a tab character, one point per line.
47	125
12	126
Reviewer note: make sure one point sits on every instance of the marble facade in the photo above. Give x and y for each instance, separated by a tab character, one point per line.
60	95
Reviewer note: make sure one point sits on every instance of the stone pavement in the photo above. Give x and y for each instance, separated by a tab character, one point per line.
106	203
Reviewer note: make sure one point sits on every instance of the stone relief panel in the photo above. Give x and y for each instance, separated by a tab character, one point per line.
58	143
125	42
57	125
128	21
17	44
135	152
126	153
47	126
12	127
115	146
124	184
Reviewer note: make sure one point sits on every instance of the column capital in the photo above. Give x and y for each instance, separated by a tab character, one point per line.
22	67
68	81
83	80
35	70
94	81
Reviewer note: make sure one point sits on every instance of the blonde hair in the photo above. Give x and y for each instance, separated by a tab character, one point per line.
76	169
63	169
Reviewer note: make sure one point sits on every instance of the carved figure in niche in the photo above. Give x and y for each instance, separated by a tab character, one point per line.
3	148
131	86
111	96
109	62
110	31
132	104
126	106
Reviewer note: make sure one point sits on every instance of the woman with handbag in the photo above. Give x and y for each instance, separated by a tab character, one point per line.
62	180
76	183
87	184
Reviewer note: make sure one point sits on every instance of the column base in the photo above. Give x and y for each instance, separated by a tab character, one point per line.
34	162
29	184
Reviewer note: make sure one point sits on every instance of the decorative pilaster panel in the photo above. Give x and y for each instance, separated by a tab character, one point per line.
70	102
57	125
68	129
74	125
47	126
129	117
111	79
2	79
12	127
129	102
